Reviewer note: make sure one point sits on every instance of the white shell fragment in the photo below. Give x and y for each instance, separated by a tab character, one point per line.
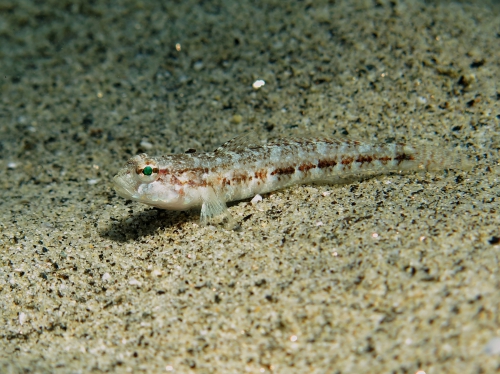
258	84
256	199
22	318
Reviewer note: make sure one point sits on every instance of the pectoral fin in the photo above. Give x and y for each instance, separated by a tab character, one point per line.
214	211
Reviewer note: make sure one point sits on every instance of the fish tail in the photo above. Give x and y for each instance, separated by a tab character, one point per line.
436	158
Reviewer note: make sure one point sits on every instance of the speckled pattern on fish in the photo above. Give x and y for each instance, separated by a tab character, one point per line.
240	169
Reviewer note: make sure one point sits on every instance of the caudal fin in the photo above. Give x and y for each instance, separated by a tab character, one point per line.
435	158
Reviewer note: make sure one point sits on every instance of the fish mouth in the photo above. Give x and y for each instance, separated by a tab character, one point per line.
123	186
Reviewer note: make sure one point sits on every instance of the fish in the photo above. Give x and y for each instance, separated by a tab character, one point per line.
242	168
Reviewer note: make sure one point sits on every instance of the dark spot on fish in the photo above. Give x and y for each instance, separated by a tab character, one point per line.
284	171
404	157
306	167
260	174
326	163
384	160
347	160
363	159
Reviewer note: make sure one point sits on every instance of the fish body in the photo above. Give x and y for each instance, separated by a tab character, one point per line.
240	169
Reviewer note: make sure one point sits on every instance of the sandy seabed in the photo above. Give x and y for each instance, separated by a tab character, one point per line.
393	274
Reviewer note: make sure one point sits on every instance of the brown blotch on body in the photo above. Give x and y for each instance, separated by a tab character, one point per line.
404	157
261	174
239	177
284	171
347	160
191	182
363	159
306	167
384	160
326	163
193	170
195	183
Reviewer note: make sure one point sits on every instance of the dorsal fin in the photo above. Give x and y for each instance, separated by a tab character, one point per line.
239	143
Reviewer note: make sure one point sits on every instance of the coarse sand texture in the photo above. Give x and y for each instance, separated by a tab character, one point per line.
396	273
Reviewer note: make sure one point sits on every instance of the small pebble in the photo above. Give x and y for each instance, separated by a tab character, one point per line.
492	348
22	318
256	199
258	84
146	145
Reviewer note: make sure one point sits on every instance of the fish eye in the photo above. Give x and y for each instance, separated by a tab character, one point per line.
147	173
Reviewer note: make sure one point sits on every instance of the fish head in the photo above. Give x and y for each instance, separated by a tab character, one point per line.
144	181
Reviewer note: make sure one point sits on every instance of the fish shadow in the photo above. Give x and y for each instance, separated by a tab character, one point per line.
145	223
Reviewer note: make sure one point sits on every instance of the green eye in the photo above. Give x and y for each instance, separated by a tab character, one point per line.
147	171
